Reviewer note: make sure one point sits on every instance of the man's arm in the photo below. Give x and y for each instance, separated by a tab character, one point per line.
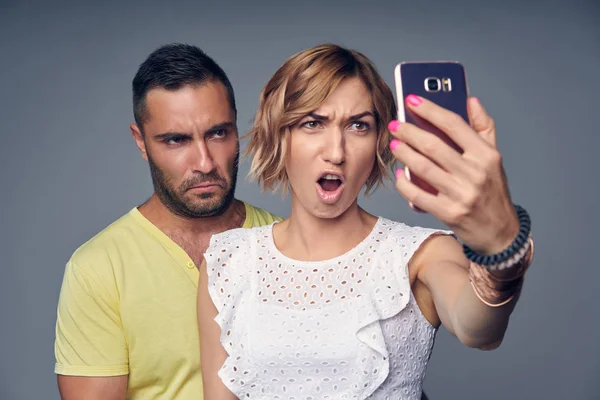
90	347
92	388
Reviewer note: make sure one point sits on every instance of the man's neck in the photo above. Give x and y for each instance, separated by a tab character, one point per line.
192	234
165	220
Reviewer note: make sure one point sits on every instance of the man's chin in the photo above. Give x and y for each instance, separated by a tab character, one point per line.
208	208
200	205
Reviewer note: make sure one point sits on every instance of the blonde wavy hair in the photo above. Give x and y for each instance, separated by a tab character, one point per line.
299	87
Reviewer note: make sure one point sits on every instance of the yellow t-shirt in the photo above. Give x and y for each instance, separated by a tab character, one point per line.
128	306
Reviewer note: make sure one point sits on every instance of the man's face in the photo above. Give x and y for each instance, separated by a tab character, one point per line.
190	141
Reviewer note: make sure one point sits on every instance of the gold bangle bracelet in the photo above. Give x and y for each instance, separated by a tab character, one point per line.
508	300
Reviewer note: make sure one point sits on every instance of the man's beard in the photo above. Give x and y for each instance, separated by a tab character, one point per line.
173	198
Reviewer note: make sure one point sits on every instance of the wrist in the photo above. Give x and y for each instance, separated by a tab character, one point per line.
497	279
504	238
499	259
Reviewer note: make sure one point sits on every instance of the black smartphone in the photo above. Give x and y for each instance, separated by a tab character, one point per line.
442	82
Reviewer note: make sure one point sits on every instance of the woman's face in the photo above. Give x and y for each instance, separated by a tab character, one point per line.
333	151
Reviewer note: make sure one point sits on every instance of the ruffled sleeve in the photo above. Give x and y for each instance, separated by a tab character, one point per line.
414	238
390	288
225	259
228	262
396	251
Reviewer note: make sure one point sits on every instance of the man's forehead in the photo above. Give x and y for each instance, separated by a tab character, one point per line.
199	106
208	95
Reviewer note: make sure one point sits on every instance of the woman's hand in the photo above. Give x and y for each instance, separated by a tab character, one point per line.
473	197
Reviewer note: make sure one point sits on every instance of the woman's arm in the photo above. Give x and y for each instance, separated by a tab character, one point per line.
473	200
443	268
212	353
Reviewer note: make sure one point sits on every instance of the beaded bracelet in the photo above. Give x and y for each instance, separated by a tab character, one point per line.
515	259
494	261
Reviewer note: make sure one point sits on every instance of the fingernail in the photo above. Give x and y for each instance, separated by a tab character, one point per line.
413	100
394	143
399	172
393	125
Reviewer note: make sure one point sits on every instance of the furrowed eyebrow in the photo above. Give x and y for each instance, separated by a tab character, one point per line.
351	118
361	115
318	117
212	129
170	135
218	127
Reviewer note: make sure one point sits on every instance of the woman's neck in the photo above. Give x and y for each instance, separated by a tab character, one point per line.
305	237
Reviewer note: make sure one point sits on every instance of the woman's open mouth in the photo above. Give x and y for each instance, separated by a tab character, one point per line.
330	187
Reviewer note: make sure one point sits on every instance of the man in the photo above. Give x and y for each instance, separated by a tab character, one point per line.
126	325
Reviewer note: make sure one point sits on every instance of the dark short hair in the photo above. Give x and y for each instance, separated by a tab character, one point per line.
171	67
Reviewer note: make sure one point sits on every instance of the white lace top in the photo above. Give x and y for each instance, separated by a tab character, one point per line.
345	328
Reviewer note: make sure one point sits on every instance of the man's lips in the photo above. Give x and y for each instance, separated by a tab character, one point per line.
205	186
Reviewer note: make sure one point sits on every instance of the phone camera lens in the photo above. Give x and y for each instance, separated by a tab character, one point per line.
433	84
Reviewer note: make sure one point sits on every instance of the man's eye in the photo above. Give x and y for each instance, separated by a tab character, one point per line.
174	140
219	134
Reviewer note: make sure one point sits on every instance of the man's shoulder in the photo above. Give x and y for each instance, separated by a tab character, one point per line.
108	242
256	216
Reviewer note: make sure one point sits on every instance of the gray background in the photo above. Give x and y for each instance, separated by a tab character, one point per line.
68	166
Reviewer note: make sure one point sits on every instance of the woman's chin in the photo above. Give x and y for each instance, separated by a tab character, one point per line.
331	211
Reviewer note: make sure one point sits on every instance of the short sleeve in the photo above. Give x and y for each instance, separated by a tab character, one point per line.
89	336
410	239
226	260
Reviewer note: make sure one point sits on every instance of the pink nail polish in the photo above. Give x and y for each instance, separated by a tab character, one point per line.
399	172
393	125
413	100
394	143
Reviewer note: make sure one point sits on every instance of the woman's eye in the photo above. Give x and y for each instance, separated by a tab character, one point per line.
311	124
360	126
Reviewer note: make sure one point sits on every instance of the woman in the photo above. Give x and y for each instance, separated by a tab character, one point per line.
333	302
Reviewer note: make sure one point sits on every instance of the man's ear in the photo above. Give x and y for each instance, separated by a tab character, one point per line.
138	136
